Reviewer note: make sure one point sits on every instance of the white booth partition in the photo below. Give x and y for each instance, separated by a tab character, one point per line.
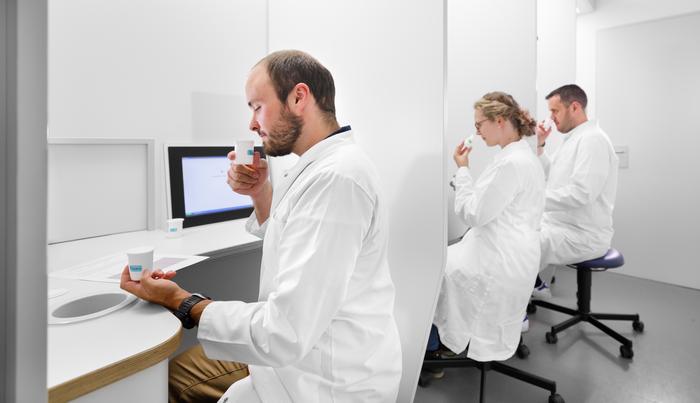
23	91
492	46
388	62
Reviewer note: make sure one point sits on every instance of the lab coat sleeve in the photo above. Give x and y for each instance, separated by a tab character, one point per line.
546	162
590	172
319	246
254	228
480	202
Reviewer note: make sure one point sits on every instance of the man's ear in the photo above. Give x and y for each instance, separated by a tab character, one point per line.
575	106
299	97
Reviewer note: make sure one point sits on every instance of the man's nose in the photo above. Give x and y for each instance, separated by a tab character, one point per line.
254	126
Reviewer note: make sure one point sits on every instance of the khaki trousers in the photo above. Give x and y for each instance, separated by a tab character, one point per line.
195	378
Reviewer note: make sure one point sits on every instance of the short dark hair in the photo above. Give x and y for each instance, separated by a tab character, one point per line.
570	93
288	68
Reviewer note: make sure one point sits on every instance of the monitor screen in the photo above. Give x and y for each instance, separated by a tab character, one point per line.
198	189
205	188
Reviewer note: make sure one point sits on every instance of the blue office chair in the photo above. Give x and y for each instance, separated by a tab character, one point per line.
521	352
613	259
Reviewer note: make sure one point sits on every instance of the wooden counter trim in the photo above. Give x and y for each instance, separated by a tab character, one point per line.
112	373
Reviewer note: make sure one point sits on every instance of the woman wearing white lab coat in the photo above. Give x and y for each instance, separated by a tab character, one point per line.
490	272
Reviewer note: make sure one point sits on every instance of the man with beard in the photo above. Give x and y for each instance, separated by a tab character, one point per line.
581	186
323	329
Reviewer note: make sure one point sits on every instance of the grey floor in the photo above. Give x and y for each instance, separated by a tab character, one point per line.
586	363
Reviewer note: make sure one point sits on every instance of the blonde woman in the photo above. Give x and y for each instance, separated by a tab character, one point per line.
490	272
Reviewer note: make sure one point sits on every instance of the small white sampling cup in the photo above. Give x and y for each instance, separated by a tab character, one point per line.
548	123
174	227
244	152
469	141
140	259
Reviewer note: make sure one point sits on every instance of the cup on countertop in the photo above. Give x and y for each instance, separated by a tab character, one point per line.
174	227
244	152
140	259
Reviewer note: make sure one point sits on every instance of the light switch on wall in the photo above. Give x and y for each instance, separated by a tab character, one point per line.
623	154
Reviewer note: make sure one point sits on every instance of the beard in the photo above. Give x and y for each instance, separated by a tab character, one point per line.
283	134
565	124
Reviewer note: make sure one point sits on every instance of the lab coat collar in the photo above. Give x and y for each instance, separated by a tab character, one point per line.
312	154
511	148
582	128
322	146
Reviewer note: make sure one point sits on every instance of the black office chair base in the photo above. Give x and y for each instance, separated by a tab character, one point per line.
584	314
497	366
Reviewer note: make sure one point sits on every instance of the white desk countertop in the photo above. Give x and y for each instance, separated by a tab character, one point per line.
208	240
80	352
89	348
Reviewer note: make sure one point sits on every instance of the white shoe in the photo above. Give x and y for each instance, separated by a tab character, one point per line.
542	292
526	325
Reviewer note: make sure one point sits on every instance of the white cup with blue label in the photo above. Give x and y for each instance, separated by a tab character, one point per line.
140	259
174	227
244	152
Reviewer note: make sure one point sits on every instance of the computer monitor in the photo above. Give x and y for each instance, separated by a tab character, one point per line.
198	191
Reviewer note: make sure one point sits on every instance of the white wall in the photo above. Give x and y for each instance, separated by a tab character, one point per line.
23	194
556	55
613	13
648	78
387	59
491	47
171	70
633	217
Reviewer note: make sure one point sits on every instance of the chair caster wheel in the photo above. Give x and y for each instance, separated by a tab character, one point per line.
556	398
522	352
551	338
531	308
638	326
626	352
423	380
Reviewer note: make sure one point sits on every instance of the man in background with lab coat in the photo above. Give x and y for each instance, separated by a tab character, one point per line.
581	186
323	329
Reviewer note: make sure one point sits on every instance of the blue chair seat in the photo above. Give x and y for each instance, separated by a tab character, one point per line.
613	259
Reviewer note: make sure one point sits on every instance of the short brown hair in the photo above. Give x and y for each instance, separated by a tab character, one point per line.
499	104
288	68
570	93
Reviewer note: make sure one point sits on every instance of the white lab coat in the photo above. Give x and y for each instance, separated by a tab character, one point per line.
579	197
324	328
490	272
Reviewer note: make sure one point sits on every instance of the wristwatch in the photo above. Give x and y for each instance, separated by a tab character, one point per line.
183	311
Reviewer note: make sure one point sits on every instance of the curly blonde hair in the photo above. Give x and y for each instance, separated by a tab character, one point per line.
499	104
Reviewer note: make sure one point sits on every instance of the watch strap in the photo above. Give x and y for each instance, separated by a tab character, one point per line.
183	311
